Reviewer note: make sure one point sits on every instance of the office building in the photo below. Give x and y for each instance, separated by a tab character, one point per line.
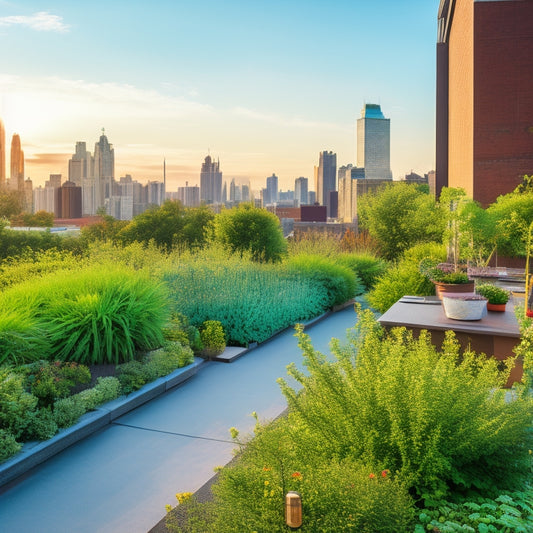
373	143
301	193
271	194
189	196
104	171
484	126
326	178
16	180
210	182
80	166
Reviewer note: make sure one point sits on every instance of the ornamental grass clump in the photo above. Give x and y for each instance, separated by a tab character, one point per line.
101	314
438	418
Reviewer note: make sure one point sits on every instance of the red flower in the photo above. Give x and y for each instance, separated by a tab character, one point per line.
297	475
385	473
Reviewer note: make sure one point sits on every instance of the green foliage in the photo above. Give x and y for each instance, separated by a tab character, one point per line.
495	295
39	425
404	278
366	266
252	301
105	390
33	264
132	376
14	243
249	230
213	337
106	229
67	411
8	445
168	226
524	348
512	214
399	216
40	219
340	281
10	203
435	417
509	512
167	359
314	243
51	381
93	318
22	337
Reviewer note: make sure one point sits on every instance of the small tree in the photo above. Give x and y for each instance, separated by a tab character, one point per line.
247	229
399	216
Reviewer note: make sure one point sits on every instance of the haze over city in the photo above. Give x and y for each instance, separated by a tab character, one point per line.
262	87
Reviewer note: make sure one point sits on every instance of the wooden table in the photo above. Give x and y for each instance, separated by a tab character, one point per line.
496	334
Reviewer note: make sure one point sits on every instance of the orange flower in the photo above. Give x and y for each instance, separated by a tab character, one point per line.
372	476
297	476
385	473
266	469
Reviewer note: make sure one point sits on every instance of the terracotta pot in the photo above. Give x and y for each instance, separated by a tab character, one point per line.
443	288
496	307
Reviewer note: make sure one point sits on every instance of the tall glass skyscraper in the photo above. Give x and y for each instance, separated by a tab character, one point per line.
16	181
104	170
373	143
210	182
326	178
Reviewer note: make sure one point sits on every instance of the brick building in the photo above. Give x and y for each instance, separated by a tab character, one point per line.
484	137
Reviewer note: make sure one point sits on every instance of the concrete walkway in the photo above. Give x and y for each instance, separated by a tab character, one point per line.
120	479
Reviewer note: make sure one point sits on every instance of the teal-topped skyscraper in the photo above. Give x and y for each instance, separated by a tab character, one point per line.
373	143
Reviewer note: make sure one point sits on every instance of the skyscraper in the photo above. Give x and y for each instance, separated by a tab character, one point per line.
80	166
2	155
272	190
104	170
326	178
484	130
301	195
16	181
373	143
210	182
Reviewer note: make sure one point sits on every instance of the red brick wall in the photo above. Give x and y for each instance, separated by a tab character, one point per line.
503	97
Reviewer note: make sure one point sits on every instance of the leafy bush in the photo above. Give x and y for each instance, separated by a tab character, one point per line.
436	417
405	278
105	390
132	376
68	410
510	511
94	318
167	359
15	403
39	425
213	337
367	267
52	381
8	445
340	282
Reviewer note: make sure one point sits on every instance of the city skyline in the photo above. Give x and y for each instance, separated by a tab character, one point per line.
180	81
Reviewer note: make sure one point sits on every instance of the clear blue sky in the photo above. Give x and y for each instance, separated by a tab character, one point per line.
264	85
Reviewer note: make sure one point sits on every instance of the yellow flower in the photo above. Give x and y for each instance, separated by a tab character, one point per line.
168	507
267	483
182	497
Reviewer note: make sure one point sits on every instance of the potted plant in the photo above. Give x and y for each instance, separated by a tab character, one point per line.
496	297
447	277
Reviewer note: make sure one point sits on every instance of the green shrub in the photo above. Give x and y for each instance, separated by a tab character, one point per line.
495	295
39	425
213	338
404	278
105	390
132	376
366	266
340	282
15	403
167	359
195	340
52	381
68	410
8	445
22	337
436	417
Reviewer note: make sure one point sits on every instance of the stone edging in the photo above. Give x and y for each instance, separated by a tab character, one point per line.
33	454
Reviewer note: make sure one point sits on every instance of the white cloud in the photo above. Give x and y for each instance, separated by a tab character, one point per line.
41	21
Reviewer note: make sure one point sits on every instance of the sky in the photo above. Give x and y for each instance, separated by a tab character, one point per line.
263	86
